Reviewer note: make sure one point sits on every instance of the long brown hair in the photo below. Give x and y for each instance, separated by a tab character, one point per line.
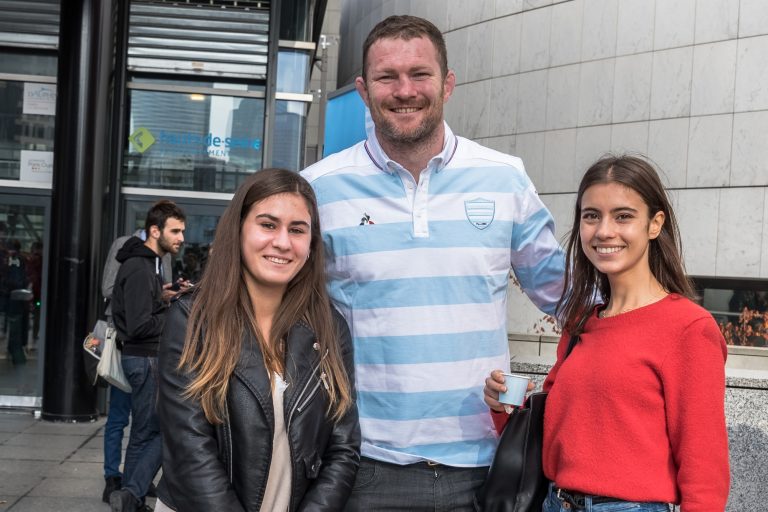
222	311
585	286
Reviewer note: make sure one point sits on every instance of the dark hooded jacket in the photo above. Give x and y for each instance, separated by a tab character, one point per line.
137	304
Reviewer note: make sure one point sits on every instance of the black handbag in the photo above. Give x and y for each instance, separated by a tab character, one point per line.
516	481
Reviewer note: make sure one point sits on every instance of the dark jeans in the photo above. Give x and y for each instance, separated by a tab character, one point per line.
380	486
117	420
145	450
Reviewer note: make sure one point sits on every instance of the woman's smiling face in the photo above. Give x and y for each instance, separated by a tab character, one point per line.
275	240
616	228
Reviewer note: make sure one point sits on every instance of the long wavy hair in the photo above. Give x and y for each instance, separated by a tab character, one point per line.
222	310
585	286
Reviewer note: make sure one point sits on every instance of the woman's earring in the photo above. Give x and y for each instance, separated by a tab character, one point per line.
308	254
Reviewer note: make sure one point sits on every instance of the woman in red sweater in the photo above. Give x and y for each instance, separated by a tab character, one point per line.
635	414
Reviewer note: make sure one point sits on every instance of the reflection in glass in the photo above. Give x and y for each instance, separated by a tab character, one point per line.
295	20
22	63
19	130
197	142
292	71
21	268
288	142
741	313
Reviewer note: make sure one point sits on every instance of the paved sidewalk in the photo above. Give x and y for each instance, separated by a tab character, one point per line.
51	467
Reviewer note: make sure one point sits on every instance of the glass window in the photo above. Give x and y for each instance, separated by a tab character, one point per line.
292	71
21	275
288	142
740	307
295	20
27	120
24	63
185	141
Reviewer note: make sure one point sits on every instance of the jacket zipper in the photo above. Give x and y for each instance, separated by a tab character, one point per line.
303	402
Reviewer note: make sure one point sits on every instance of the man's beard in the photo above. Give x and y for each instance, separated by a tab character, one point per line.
166	246
422	133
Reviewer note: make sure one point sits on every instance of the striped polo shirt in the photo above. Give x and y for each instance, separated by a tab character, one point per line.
420	270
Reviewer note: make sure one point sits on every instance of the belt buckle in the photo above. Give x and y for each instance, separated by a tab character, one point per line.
432	463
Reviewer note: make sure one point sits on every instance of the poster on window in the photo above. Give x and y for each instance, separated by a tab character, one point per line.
36	166
39	99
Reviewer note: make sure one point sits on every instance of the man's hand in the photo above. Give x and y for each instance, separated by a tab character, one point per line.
494	385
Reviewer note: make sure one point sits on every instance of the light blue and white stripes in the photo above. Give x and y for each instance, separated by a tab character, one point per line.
423	285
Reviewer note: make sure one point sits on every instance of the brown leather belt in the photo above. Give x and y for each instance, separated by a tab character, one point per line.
579	500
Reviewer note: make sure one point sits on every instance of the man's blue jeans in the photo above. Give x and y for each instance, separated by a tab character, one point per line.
553	504
145	449
117	420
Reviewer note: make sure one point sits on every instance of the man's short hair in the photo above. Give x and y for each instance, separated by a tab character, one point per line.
160	212
407	27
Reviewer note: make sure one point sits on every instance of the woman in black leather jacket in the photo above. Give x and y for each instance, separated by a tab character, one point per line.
256	370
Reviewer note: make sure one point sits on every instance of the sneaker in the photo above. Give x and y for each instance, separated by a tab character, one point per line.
111	483
123	501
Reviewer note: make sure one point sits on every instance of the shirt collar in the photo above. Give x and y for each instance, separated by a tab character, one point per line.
383	162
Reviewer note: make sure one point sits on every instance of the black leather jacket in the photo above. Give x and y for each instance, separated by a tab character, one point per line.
224	467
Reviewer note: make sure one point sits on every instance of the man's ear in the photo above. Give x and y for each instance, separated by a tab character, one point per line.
362	90
657	222
448	85
154	232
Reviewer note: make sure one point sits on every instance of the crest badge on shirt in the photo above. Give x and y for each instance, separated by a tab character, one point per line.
480	212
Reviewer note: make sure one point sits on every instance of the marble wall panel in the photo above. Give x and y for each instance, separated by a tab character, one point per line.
504	98
753	17
532	102
751	74
739	232
433	10
714	70
709	151
506	45
697	212
592	142
632	88
479	52
534	45
477	106
505	144
716	20
562	97
634	32
454	110
535	4
598	31
461	13
505	7
671	83
749	165
456	43
565	40
530	147
675	23
630	137
668	148
559	156
747	422
596	92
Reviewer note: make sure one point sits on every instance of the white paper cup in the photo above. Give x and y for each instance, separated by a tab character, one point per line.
517	386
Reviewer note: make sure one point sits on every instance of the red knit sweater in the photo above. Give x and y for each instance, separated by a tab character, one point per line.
637	410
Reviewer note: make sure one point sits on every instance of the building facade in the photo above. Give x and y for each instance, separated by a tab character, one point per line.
105	107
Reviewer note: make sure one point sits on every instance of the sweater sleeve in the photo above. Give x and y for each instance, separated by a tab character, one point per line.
693	376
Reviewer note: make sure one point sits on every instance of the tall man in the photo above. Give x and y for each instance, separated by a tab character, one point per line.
139	301
421	228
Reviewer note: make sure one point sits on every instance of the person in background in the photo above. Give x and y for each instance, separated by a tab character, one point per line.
119	411
422	228
635	414
256	389
139	304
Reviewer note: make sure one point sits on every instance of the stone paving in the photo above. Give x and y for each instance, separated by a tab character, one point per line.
50	467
